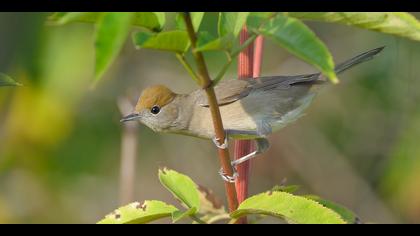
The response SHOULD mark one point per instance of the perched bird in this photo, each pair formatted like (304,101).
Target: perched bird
(250,108)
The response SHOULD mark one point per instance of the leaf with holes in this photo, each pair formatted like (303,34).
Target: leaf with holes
(298,39)
(111,33)
(196,18)
(150,20)
(175,41)
(136,213)
(182,187)
(292,208)
(396,23)
(6,80)
(345,213)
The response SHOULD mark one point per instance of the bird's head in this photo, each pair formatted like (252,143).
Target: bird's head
(155,108)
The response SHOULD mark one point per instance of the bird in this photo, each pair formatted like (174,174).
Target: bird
(251,108)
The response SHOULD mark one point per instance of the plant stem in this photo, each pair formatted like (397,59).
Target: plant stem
(232,56)
(207,85)
(197,219)
(188,67)
(243,147)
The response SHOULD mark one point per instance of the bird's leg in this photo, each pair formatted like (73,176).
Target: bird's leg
(262,146)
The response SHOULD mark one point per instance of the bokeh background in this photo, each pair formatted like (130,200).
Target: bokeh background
(61,140)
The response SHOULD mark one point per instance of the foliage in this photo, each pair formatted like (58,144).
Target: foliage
(285,29)
(203,207)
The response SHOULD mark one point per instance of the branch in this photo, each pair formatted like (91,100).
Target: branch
(207,85)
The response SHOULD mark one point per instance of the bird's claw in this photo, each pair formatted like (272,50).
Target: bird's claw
(224,145)
(228,178)
(262,146)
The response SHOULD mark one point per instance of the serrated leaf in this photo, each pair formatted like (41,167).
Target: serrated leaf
(345,213)
(290,207)
(150,20)
(196,18)
(136,213)
(6,80)
(299,40)
(175,41)
(182,187)
(111,33)
(207,42)
(396,23)
(231,22)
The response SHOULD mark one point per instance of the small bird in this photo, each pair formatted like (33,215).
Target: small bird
(250,108)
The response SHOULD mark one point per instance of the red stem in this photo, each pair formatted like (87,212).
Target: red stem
(258,52)
(249,65)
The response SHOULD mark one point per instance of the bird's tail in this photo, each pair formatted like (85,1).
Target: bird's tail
(366,56)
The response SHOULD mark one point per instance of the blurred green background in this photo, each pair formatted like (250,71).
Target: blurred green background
(60,140)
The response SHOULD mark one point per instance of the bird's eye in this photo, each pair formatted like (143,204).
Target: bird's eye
(155,110)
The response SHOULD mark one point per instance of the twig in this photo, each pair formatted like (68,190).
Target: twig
(206,84)
(188,67)
(197,219)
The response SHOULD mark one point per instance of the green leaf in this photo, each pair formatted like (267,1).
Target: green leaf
(299,40)
(196,18)
(111,33)
(182,187)
(179,215)
(287,189)
(6,80)
(295,209)
(176,41)
(396,23)
(345,213)
(61,18)
(207,42)
(150,20)
(231,22)
(136,213)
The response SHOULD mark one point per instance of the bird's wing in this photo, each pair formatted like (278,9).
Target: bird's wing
(229,91)
(226,91)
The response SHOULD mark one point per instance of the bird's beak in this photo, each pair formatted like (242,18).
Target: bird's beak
(132,116)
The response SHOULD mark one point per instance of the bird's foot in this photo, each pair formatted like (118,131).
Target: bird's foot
(228,178)
(224,145)
(262,146)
